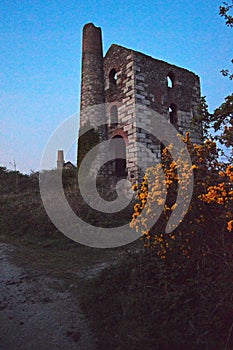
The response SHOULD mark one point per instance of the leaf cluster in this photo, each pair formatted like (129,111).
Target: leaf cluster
(225,12)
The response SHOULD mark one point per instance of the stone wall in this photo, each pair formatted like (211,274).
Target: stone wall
(122,95)
(133,85)
(152,90)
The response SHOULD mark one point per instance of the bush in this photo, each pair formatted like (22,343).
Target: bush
(149,303)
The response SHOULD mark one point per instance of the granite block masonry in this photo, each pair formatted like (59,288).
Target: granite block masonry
(127,85)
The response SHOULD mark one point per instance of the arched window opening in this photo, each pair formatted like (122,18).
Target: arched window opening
(170,80)
(113,76)
(120,156)
(173,114)
(114,116)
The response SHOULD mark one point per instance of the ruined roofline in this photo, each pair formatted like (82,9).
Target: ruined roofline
(148,57)
(90,24)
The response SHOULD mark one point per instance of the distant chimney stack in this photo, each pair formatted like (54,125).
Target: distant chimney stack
(60,159)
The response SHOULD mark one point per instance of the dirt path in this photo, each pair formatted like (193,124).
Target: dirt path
(38,312)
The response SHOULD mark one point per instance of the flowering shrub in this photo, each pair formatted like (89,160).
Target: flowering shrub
(222,193)
(211,202)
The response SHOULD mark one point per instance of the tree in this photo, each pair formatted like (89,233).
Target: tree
(224,11)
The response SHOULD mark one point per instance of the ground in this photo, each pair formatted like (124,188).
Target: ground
(39,297)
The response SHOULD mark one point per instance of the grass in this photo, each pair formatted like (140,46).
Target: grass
(144,304)
(24,223)
(139,301)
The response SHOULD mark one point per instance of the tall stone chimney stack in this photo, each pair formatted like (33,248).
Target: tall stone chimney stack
(92,89)
(60,159)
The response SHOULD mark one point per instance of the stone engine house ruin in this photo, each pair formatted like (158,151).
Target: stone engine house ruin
(122,80)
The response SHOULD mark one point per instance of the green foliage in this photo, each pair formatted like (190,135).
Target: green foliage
(202,119)
(23,217)
(222,121)
(225,12)
(149,303)
(15,182)
(217,126)
(69,178)
(223,114)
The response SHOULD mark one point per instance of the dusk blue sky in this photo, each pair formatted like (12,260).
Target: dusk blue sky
(40,59)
